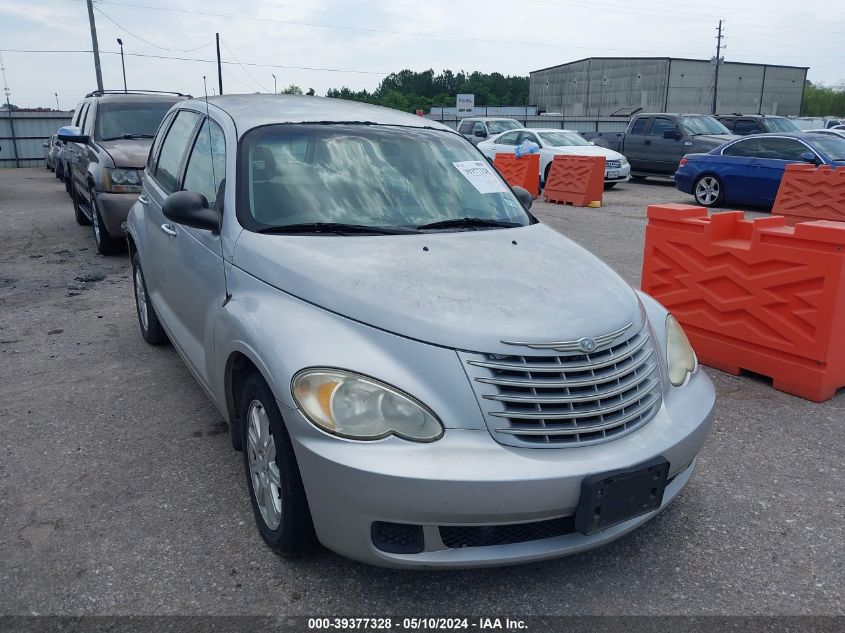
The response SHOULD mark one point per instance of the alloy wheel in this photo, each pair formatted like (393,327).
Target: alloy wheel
(708,190)
(141,298)
(263,470)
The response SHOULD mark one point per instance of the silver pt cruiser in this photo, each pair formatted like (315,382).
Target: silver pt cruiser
(419,373)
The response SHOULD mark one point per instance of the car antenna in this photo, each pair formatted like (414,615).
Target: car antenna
(217,203)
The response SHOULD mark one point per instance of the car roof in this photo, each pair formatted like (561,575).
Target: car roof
(489,118)
(801,136)
(249,111)
(754,116)
(136,97)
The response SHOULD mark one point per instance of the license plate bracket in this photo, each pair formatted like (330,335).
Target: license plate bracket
(613,497)
(612,174)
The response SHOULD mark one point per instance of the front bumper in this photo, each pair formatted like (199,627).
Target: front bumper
(623,174)
(468,479)
(114,207)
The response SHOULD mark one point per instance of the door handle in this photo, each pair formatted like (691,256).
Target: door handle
(169,229)
(143,199)
(647,142)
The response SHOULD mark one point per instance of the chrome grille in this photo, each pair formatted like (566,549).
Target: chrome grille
(569,397)
(613,164)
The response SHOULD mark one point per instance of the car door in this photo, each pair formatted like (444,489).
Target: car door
(75,150)
(634,144)
(732,168)
(505,144)
(662,155)
(766,170)
(546,154)
(197,284)
(162,178)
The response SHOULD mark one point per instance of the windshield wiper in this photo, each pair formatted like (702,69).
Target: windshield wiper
(336,228)
(468,223)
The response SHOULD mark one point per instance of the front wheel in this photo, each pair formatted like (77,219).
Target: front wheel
(609,185)
(107,244)
(709,191)
(275,485)
(148,321)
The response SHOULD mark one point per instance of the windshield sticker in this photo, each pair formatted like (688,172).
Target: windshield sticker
(481,176)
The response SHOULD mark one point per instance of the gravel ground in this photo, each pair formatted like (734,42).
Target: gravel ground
(120,493)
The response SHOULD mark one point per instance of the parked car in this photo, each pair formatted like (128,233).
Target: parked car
(48,146)
(806,123)
(654,143)
(837,132)
(418,371)
(749,171)
(476,129)
(53,160)
(553,143)
(108,142)
(745,124)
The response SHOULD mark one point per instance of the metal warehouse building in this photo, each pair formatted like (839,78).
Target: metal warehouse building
(599,86)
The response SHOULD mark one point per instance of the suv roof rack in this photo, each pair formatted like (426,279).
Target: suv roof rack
(100,93)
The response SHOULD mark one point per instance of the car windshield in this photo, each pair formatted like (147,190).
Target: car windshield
(830,146)
(505,125)
(127,120)
(780,125)
(368,176)
(562,138)
(695,125)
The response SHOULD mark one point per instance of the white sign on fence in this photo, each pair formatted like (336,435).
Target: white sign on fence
(465,103)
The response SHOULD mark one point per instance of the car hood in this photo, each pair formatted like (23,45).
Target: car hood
(714,140)
(466,290)
(128,152)
(586,150)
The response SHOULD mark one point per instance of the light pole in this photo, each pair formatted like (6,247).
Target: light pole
(57,100)
(122,64)
(275,92)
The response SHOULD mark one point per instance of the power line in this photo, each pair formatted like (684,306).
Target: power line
(146,41)
(226,46)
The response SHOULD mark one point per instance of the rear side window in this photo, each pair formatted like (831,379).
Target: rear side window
(747,148)
(640,126)
(479,127)
(746,126)
(510,138)
(162,131)
(174,148)
(466,127)
(207,164)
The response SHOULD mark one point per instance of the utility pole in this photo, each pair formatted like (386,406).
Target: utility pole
(219,65)
(718,61)
(94,45)
(8,93)
(56,94)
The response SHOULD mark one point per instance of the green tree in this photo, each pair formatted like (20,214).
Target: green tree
(292,90)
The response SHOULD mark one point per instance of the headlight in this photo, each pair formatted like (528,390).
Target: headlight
(623,161)
(121,180)
(680,357)
(361,408)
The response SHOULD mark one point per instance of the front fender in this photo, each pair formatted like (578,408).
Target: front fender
(282,334)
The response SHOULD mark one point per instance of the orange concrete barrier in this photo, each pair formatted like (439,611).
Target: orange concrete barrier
(520,172)
(808,192)
(577,180)
(754,295)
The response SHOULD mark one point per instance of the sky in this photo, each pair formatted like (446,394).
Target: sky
(324,44)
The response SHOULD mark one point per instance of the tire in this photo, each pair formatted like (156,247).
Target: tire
(709,191)
(68,181)
(609,185)
(148,321)
(81,218)
(107,244)
(282,517)
(638,178)
(546,174)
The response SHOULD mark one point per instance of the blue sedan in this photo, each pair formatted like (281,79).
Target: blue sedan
(749,170)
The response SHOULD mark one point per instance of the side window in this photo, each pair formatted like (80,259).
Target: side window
(748,148)
(746,126)
(174,148)
(83,116)
(88,123)
(78,114)
(527,136)
(728,123)
(640,126)
(162,131)
(207,163)
(478,125)
(781,149)
(466,127)
(510,138)
(660,125)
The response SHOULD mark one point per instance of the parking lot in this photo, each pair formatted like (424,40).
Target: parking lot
(120,492)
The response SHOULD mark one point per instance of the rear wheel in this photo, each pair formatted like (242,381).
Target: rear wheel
(106,243)
(709,191)
(68,180)
(275,485)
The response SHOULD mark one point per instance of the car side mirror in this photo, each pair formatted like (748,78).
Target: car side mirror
(43,144)
(810,157)
(480,133)
(672,135)
(524,196)
(191,209)
(71,134)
